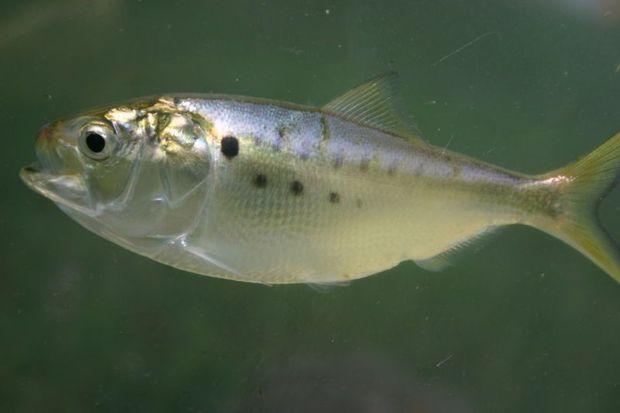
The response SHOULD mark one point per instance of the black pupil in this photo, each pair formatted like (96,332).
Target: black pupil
(95,142)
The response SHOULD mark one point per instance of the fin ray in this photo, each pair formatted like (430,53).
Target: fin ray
(376,103)
(445,259)
(326,287)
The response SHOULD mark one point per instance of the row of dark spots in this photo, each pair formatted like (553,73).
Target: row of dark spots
(297,189)
(260,181)
(230,149)
(364,165)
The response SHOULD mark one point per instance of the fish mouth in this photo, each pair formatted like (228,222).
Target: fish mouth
(65,190)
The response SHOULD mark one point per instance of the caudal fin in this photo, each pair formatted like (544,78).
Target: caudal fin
(583,185)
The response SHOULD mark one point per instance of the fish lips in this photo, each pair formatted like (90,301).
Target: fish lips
(65,190)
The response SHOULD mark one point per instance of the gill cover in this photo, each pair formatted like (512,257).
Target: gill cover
(185,162)
(168,186)
(153,185)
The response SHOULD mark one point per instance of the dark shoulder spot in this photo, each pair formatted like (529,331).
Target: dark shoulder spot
(334,197)
(260,181)
(230,147)
(297,187)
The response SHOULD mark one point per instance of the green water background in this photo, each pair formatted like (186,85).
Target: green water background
(525,324)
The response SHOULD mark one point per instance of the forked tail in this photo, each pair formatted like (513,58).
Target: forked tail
(582,186)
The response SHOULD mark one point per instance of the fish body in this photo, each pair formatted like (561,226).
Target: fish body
(313,197)
(271,192)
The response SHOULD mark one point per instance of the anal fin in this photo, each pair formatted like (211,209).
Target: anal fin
(436,263)
(445,259)
(326,287)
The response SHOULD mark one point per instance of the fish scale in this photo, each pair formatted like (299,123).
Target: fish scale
(271,235)
(271,192)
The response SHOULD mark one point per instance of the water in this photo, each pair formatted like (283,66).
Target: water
(524,324)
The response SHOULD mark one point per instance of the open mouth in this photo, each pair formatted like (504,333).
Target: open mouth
(66,190)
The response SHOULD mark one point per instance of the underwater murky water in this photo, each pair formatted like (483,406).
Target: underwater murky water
(523,324)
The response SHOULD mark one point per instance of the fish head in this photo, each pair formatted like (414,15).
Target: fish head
(135,174)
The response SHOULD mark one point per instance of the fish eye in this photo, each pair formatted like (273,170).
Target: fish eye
(97,141)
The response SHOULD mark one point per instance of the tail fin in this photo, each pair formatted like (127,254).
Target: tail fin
(587,182)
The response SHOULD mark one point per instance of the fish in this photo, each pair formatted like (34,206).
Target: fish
(272,192)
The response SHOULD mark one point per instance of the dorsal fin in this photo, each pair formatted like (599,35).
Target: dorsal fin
(376,103)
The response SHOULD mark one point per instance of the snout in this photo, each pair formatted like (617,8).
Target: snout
(57,174)
(50,149)
(46,136)
(45,132)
